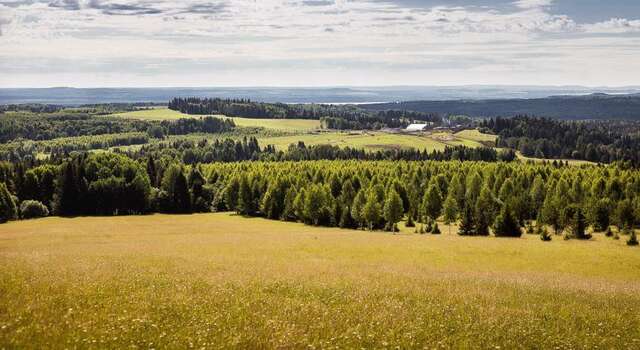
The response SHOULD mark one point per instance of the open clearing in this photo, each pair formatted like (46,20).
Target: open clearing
(372,140)
(276,124)
(221,281)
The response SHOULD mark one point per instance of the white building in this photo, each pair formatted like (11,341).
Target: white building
(417,127)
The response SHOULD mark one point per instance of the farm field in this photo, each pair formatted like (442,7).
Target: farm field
(372,140)
(152,114)
(277,124)
(221,281)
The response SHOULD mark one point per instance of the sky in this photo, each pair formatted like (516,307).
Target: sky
(125,43)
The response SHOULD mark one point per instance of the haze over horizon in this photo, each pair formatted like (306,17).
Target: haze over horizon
(318,43)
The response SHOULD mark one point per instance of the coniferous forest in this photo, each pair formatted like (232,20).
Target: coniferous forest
(51,167)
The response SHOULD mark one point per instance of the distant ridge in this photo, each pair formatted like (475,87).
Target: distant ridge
(592,106)
(373,94)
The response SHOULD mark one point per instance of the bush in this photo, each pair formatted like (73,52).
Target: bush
(410,222)
(633,239)
(608,233)
(8,210)
(33,209)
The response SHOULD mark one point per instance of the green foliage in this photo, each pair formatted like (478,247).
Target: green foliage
(31,209)
(467,223)
(174,184)
(431,203)
(393,209)
(633,239)
(8,210)
(435,230)
(506,224)
(371,212)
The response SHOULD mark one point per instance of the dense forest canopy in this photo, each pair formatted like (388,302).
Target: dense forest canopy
(333,116)
(596,106)
(596,141)
(483,197)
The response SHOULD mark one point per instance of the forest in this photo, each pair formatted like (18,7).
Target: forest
(595,141)
(500,198)
(342,117)
(587,107)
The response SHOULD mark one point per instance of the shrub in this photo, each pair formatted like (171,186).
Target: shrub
(33,209)
(410,222)
(436,229)
(8,210)
(633,239)
(608,233)
(544,235)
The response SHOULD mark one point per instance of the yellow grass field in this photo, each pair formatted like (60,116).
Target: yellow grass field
(277,124)
(222,281)
(476,135)
(373,140)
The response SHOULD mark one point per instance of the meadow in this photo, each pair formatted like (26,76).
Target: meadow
(373,140)
(223,281)
(299,125)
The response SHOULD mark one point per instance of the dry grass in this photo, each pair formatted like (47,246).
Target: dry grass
(221,281)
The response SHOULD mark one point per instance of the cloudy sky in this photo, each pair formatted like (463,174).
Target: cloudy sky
(318,42)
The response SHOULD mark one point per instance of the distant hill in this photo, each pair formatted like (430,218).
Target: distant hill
(594,106)
(362,94)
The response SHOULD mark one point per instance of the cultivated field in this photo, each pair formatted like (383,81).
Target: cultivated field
(373,140)
(221,281)
(277,124)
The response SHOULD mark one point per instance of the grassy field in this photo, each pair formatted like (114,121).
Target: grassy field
(576,162)
(373,140)
(476,135)
(221,281)
(152,114)
(277,124)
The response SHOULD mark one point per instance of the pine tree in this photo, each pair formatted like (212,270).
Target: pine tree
(8,209)
(357,208)
(67,194)
(371,211)
(393,209)
(436,229)
(484,211)
(450,209)
(506,224)
(432,203)
(467,224)
(245,196)
(174,183)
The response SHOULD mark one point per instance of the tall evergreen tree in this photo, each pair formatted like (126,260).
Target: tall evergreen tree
(393,209)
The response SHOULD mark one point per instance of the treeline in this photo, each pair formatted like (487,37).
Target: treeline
(230,150)
(332,116)
(484,198)
(596,141)
(596,106)
(59,125)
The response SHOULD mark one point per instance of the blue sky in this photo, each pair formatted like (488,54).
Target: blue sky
(318,42)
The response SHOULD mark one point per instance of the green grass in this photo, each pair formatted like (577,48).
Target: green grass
(277,124)
(366,140)
(576,162)
(221,281)
(476,135)
(152,114)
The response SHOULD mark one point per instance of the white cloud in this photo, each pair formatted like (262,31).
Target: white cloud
(528,4)
(300,42)
(614,26)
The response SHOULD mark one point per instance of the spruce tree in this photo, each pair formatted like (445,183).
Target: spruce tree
(393,209)
(432,203)
(506,224)
(8,209)
(357,208)
(467,224)
(371,211)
